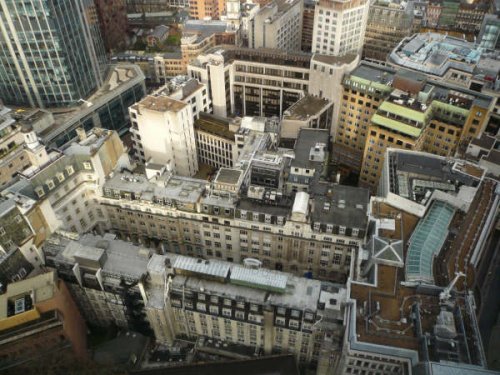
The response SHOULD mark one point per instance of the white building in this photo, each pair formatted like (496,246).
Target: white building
(277,25)
(339,26)
(163,133)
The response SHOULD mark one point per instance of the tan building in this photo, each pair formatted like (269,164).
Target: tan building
(387,24)
(383,108)
(40,326)
(215,141)
(202,9)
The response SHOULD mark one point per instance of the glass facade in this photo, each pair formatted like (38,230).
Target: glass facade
(51,52)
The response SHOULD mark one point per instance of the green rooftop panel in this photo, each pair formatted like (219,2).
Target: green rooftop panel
(405,112)
(396,125)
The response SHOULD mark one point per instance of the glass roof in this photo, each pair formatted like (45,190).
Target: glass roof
(427,240)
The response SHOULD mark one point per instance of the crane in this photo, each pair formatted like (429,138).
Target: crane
(445,294)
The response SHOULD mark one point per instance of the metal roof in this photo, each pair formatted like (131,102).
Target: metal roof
(200,266)
(426,242)
(258,278)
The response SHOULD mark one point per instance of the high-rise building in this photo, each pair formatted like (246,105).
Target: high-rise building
(51,53)
(339,26)
(164,133)
(277,25)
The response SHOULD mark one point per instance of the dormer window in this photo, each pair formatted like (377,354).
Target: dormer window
(39,192)
(50,184)
(70,170)
(60,177)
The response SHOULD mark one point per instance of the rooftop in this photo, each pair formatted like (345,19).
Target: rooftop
(228,176)
(160,104)
(307,139)
(307,106)
(435,54)
(426,242)
(214,125)
(342,205)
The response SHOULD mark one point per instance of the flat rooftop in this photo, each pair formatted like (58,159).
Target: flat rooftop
(160,104)
(214,125)
(307,106)
(343,206)
(228,176)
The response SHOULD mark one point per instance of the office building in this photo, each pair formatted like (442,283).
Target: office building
(162,125)
(388,23)
(206,9)
(58,70)
(172,296)
(277,25)
(308,112)
(263,82)
(339,27)
(454,60)
(489,35)
(215,141)
(372,96)
(41,328)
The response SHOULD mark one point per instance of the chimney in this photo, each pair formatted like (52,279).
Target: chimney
(82,135)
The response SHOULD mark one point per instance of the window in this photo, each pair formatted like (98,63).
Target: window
(50,184)
(39,191)
(87,165)
(70,170)
(60,176)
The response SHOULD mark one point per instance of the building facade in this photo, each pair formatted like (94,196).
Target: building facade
(58,70)
(203,9)
(164,133)
(339,27)
(277,25)
(387,24)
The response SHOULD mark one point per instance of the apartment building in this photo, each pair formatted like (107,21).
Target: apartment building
(277,25)
(215,141)
(206,9)
(163,133)
(308,25)
(339,27)
(40,326)
(388,23)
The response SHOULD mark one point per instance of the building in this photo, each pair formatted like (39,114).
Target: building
(489,35)
(307,25)
(368,121)
(429,213)
(102,275)
(113,22)
(448,58)
(40,326)
(60,191)
(206,9)
(72,62)
(263,82)
(307,112)
(157,36)
(153,6)
(339,27)
(486,152)
(215,141)
(277,25)
(388,23)
(164,133)
(198,36)
(264,311)
(106,108)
